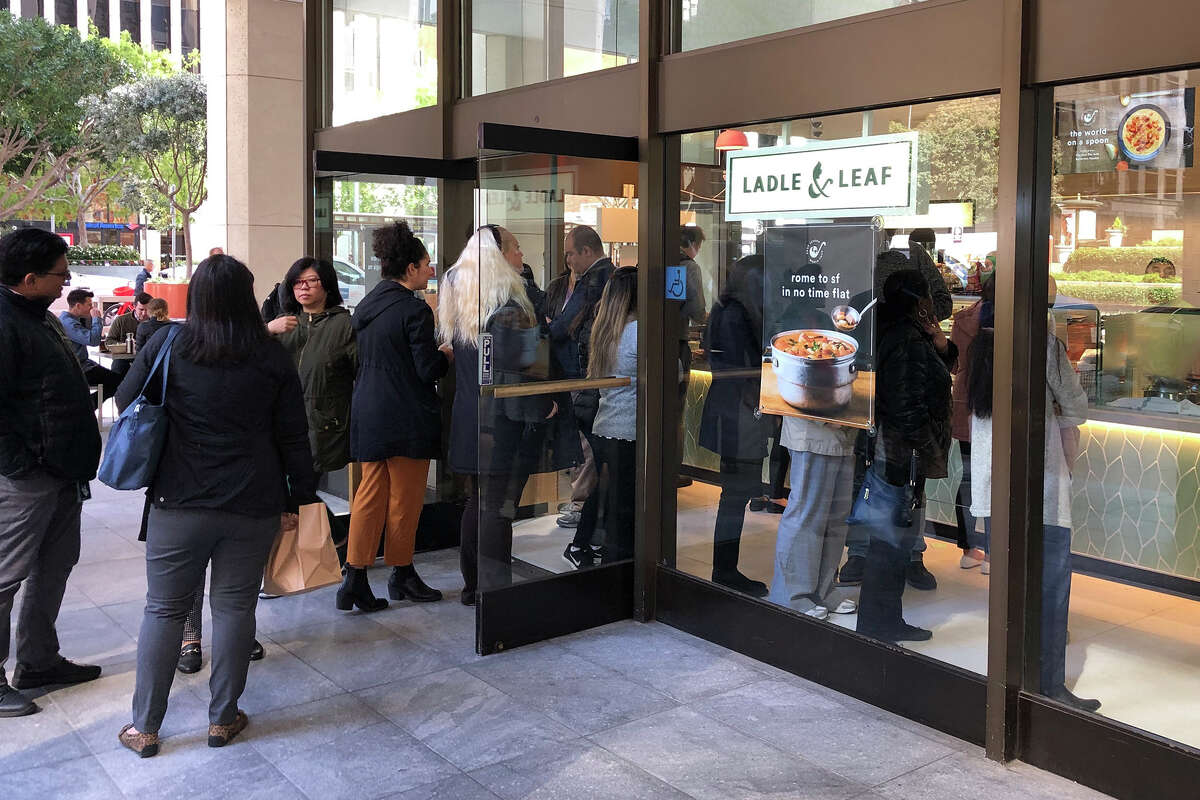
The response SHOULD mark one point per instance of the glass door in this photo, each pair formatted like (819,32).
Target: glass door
(551,271)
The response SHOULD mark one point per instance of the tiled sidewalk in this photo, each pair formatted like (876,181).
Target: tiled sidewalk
(396,704)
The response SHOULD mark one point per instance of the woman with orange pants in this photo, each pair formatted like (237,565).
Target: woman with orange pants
(395,421)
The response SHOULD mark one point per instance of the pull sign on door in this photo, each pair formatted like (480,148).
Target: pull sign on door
(485,359)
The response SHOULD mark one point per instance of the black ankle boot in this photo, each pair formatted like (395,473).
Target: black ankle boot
(356,591)
(405,582)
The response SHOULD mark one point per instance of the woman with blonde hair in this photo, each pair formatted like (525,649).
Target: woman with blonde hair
(158,317)
(497,442)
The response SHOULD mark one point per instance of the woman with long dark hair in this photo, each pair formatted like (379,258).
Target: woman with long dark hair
(236,457)
(395,422)
(912,405)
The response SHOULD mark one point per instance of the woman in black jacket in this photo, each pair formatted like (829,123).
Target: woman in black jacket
(500,442)
(728,424)
(912,409)
(395,421)
(236,457)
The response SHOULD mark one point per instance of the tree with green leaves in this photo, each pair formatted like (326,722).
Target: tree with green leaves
(45,129)
(163,121)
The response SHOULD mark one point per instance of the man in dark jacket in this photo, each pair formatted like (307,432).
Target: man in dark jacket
(83,325)
(571,302)
(49,450)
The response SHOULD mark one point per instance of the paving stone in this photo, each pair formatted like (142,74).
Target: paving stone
(77,779)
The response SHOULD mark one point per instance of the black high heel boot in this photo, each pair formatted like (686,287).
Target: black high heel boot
(356,591)
(405,582)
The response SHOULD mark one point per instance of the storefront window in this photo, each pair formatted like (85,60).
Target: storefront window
(189,19)
(160,24)
(708,22)
(64,12)
(384,57)
(1122,486)
(519,42)
(792,356)
(131,19)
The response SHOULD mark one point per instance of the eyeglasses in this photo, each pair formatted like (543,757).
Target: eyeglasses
(304,283)
(65,275)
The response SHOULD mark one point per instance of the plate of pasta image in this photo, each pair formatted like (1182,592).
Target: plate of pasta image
(1144,132)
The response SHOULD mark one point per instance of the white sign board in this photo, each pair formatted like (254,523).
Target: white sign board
(846,178)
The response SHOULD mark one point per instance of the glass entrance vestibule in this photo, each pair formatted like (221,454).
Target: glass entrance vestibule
(996,281)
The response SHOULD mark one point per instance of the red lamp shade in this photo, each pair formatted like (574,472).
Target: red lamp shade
(732,139)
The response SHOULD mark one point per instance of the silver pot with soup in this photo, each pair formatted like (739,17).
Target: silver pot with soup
(814,369)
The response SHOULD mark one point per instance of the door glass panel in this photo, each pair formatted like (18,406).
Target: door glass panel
(554,461)
(769,473)
(1120,576)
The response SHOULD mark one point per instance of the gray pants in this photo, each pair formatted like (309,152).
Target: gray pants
(39,545)
(812,530)
(179,546)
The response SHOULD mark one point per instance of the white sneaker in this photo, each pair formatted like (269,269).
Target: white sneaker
(966,562)
(818,612)
(846,607)
(985,568)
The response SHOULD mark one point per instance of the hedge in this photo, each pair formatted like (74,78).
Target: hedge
(1130,260)
(103,253)
(1131,294)
(1107,276)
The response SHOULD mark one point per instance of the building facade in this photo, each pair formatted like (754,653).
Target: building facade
(1046,146)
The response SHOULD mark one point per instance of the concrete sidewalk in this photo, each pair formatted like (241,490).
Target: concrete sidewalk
(397,704)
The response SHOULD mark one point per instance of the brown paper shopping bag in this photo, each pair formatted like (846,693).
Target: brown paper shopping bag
(303,557)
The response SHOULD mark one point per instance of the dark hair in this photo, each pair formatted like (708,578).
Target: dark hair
(396,247)
(980,360)
(586,236)
(690,235)
(902,291)
(223,323)
(922,236)
(495,230)
(76,296)
(28,250)
(142,298)
(333,295)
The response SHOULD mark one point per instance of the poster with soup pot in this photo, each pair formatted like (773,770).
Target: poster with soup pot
(1143,130)
(818,322)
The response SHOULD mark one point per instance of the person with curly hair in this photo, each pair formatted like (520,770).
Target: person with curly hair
(395,421)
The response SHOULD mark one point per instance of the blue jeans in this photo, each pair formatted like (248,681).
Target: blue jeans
(1056,598)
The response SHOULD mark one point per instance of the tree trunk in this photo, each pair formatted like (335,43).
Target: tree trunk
(187,240)
(81,235)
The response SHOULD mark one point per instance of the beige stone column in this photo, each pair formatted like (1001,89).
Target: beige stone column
(265,156)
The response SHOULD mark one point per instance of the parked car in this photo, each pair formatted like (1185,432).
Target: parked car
(352,282)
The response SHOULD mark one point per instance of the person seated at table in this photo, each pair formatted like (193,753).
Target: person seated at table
(82,323)
(126,324)
(157,311)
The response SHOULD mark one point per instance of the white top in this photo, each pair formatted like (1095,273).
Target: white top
(1062,386)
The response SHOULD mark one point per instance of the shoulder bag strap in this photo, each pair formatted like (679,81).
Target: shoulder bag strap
(163,358)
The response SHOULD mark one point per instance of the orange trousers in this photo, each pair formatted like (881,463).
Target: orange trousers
(390,497)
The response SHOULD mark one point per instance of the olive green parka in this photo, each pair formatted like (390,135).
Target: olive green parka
(324,350)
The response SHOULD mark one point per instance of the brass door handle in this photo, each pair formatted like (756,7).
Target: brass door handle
(553,387)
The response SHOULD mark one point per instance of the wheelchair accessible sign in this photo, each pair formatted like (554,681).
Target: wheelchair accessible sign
(677,283)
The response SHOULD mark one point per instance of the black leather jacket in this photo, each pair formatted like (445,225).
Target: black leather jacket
(46,417)
(912,398)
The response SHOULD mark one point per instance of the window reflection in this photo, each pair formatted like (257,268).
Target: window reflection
(518,42)
(770,491)
(384,58)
